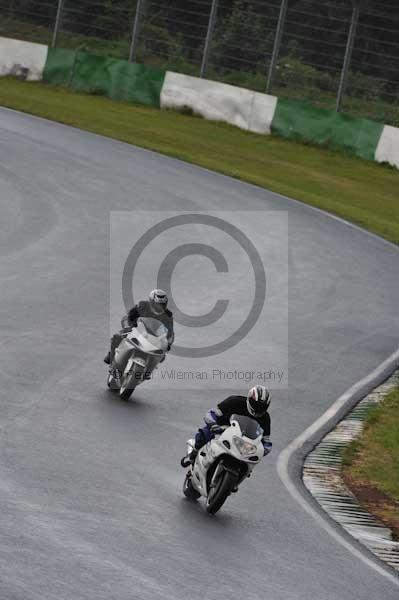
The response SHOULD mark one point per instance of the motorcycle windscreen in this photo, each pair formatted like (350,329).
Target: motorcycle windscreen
(249,427)
(153,326)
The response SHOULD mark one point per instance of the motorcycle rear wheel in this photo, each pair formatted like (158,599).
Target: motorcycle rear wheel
(219,495)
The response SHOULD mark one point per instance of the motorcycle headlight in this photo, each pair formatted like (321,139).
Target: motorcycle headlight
(243,447)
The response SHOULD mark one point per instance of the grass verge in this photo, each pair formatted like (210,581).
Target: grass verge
(363,192)
(371,463)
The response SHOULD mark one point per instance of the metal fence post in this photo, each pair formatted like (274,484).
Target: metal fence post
(136,31)
(209,34)
(348,53)
(277,44)
(57,24)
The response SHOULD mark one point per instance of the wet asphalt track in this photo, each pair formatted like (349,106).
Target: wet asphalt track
(90,501)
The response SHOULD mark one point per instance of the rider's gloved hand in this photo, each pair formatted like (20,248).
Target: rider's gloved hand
(216,429)
(211,417)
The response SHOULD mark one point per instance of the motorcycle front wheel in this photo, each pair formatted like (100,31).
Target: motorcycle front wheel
(111,383)
(218,495)
(130,381)
(188,489)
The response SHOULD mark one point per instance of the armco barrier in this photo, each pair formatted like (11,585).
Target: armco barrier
(298,121)
(23,59)
(263,110)
(252,111)
(59,66)
(219,102)
(388,146)
(117,79)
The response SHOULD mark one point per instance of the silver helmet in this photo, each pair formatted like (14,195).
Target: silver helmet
(158,301)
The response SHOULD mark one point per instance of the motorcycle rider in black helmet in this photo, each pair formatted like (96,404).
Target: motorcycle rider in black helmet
(255,405)
(155,307)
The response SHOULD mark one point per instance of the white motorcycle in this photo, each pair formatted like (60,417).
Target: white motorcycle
(224,462)
(138,354)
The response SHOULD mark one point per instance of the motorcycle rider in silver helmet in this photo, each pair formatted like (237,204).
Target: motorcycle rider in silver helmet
(155,307)
(255,405)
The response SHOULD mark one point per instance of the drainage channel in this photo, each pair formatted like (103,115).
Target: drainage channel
(322,477)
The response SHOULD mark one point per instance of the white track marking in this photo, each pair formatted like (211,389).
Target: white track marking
(368,383)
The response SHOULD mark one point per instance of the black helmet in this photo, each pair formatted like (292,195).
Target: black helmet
(158,301)
(258,400)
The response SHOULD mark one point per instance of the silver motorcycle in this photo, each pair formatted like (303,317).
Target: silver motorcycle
(138,354)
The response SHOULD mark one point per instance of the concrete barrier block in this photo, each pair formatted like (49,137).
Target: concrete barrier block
(210,99)
(22,59)
(263,109)
(388,146)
